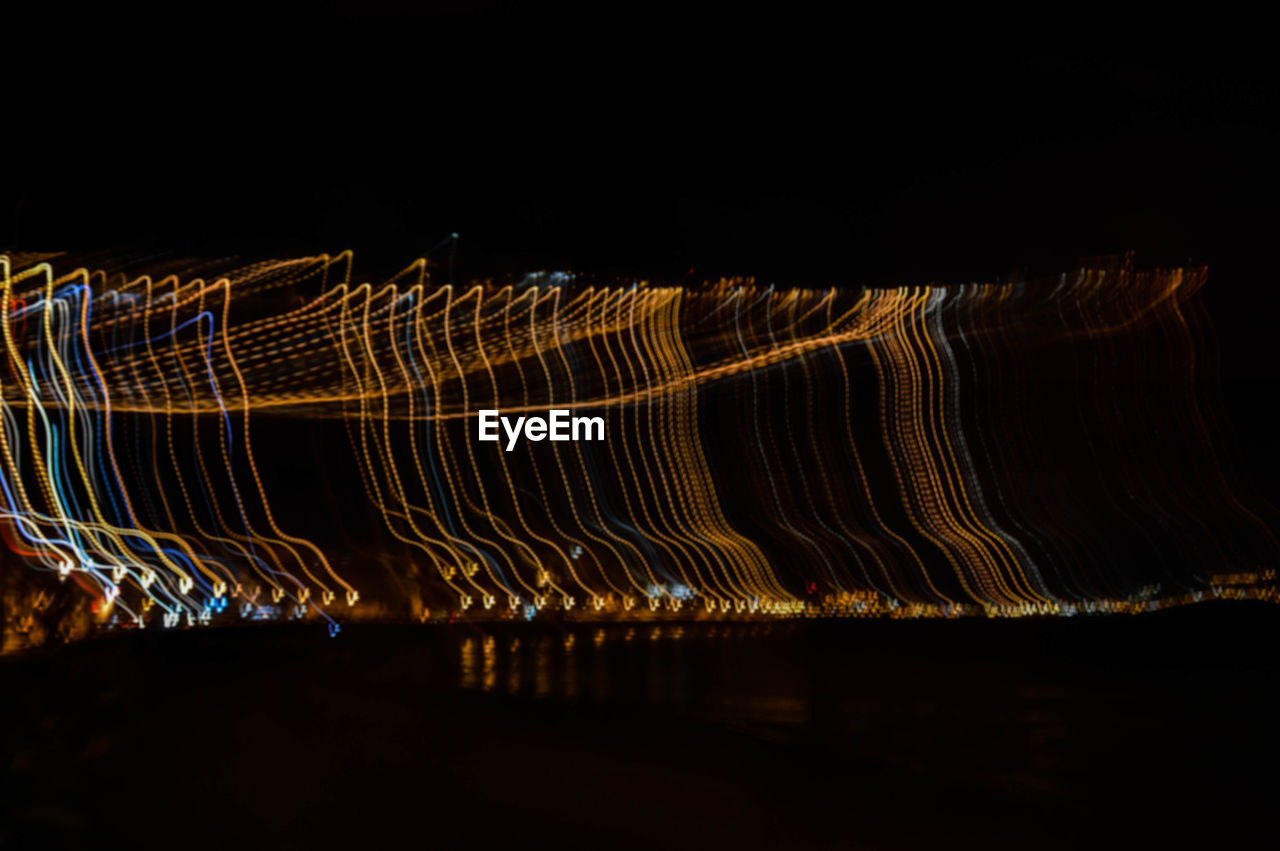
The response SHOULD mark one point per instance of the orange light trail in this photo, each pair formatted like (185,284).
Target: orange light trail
(194,442)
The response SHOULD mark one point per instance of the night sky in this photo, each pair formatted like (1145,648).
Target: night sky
(652,139)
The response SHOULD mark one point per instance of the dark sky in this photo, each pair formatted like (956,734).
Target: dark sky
(653,138)
(788,145)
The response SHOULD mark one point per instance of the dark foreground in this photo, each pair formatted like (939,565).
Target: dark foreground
(1156,730)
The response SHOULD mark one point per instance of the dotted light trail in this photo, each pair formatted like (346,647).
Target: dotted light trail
(200,442)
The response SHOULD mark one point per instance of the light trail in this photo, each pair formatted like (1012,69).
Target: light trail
(1002,450)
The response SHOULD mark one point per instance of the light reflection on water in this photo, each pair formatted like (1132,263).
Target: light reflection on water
(612,662)
(966,734)
(766,682)
(1028,713)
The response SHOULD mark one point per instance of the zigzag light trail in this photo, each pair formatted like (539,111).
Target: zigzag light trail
(1047,448)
